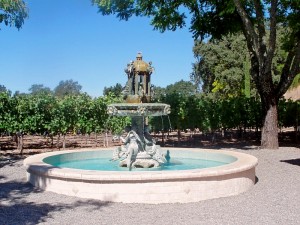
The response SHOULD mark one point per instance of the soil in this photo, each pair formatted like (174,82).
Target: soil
(33,144)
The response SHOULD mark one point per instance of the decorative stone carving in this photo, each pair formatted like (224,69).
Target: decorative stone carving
(135,154)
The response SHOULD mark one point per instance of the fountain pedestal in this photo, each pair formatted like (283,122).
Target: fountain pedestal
(139,149)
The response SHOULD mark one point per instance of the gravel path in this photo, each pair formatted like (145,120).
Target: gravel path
(273,200)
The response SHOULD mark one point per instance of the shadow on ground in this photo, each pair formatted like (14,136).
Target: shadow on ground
(9,160)
(17,208)
(244,145)
(295,162)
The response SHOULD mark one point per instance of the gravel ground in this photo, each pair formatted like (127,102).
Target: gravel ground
(273,200)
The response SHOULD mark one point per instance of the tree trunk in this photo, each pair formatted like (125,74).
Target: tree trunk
(269,134)
(64,141)
(51,137)
(105,140)
(20,144)
(261,58)
(58,144)
(96,139)
(297,122)
(179,136)
(262,75)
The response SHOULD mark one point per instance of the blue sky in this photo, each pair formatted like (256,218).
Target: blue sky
(68,39)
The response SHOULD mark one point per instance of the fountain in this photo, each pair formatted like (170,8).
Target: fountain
(145,173)
(139,149)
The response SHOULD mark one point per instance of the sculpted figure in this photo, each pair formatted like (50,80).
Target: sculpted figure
(132,143)
(141,90)
(150,69)
(152,149)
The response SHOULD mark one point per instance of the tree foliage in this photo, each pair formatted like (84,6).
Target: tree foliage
(296,82)
(221,65)
(37,89)
(67,87)
(45,113)
(116,90)
(185,88)
(210,114)
(2,88)
(13,13)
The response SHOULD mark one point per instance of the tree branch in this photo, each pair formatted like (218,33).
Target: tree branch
(260,20)
(249,30)
(273,34)
(290,70)
(252,42)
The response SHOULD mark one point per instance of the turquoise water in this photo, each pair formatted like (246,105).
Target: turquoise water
(101,162)
(106,165)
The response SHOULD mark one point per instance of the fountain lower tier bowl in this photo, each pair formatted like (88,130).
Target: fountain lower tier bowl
(138,109)
(237,175)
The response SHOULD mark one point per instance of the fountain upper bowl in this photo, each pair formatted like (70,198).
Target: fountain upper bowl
(138,109)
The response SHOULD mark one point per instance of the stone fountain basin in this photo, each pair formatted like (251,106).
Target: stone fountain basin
(138,109)
(178,186)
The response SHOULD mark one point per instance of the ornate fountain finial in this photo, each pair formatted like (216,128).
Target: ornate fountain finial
(139,56)
(138,86)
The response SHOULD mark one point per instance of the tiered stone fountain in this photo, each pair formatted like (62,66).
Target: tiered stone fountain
(139,149)
(91,174)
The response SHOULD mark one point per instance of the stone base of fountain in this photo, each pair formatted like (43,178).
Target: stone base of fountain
(146,186)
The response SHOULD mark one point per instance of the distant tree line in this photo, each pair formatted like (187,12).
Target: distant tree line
(64,88)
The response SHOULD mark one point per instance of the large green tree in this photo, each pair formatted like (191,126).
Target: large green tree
(211,18)
(3,88)
(37,89)
(185,88)
(67,88)
(182,87)
(116,90)
(222,66)
(13,12)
